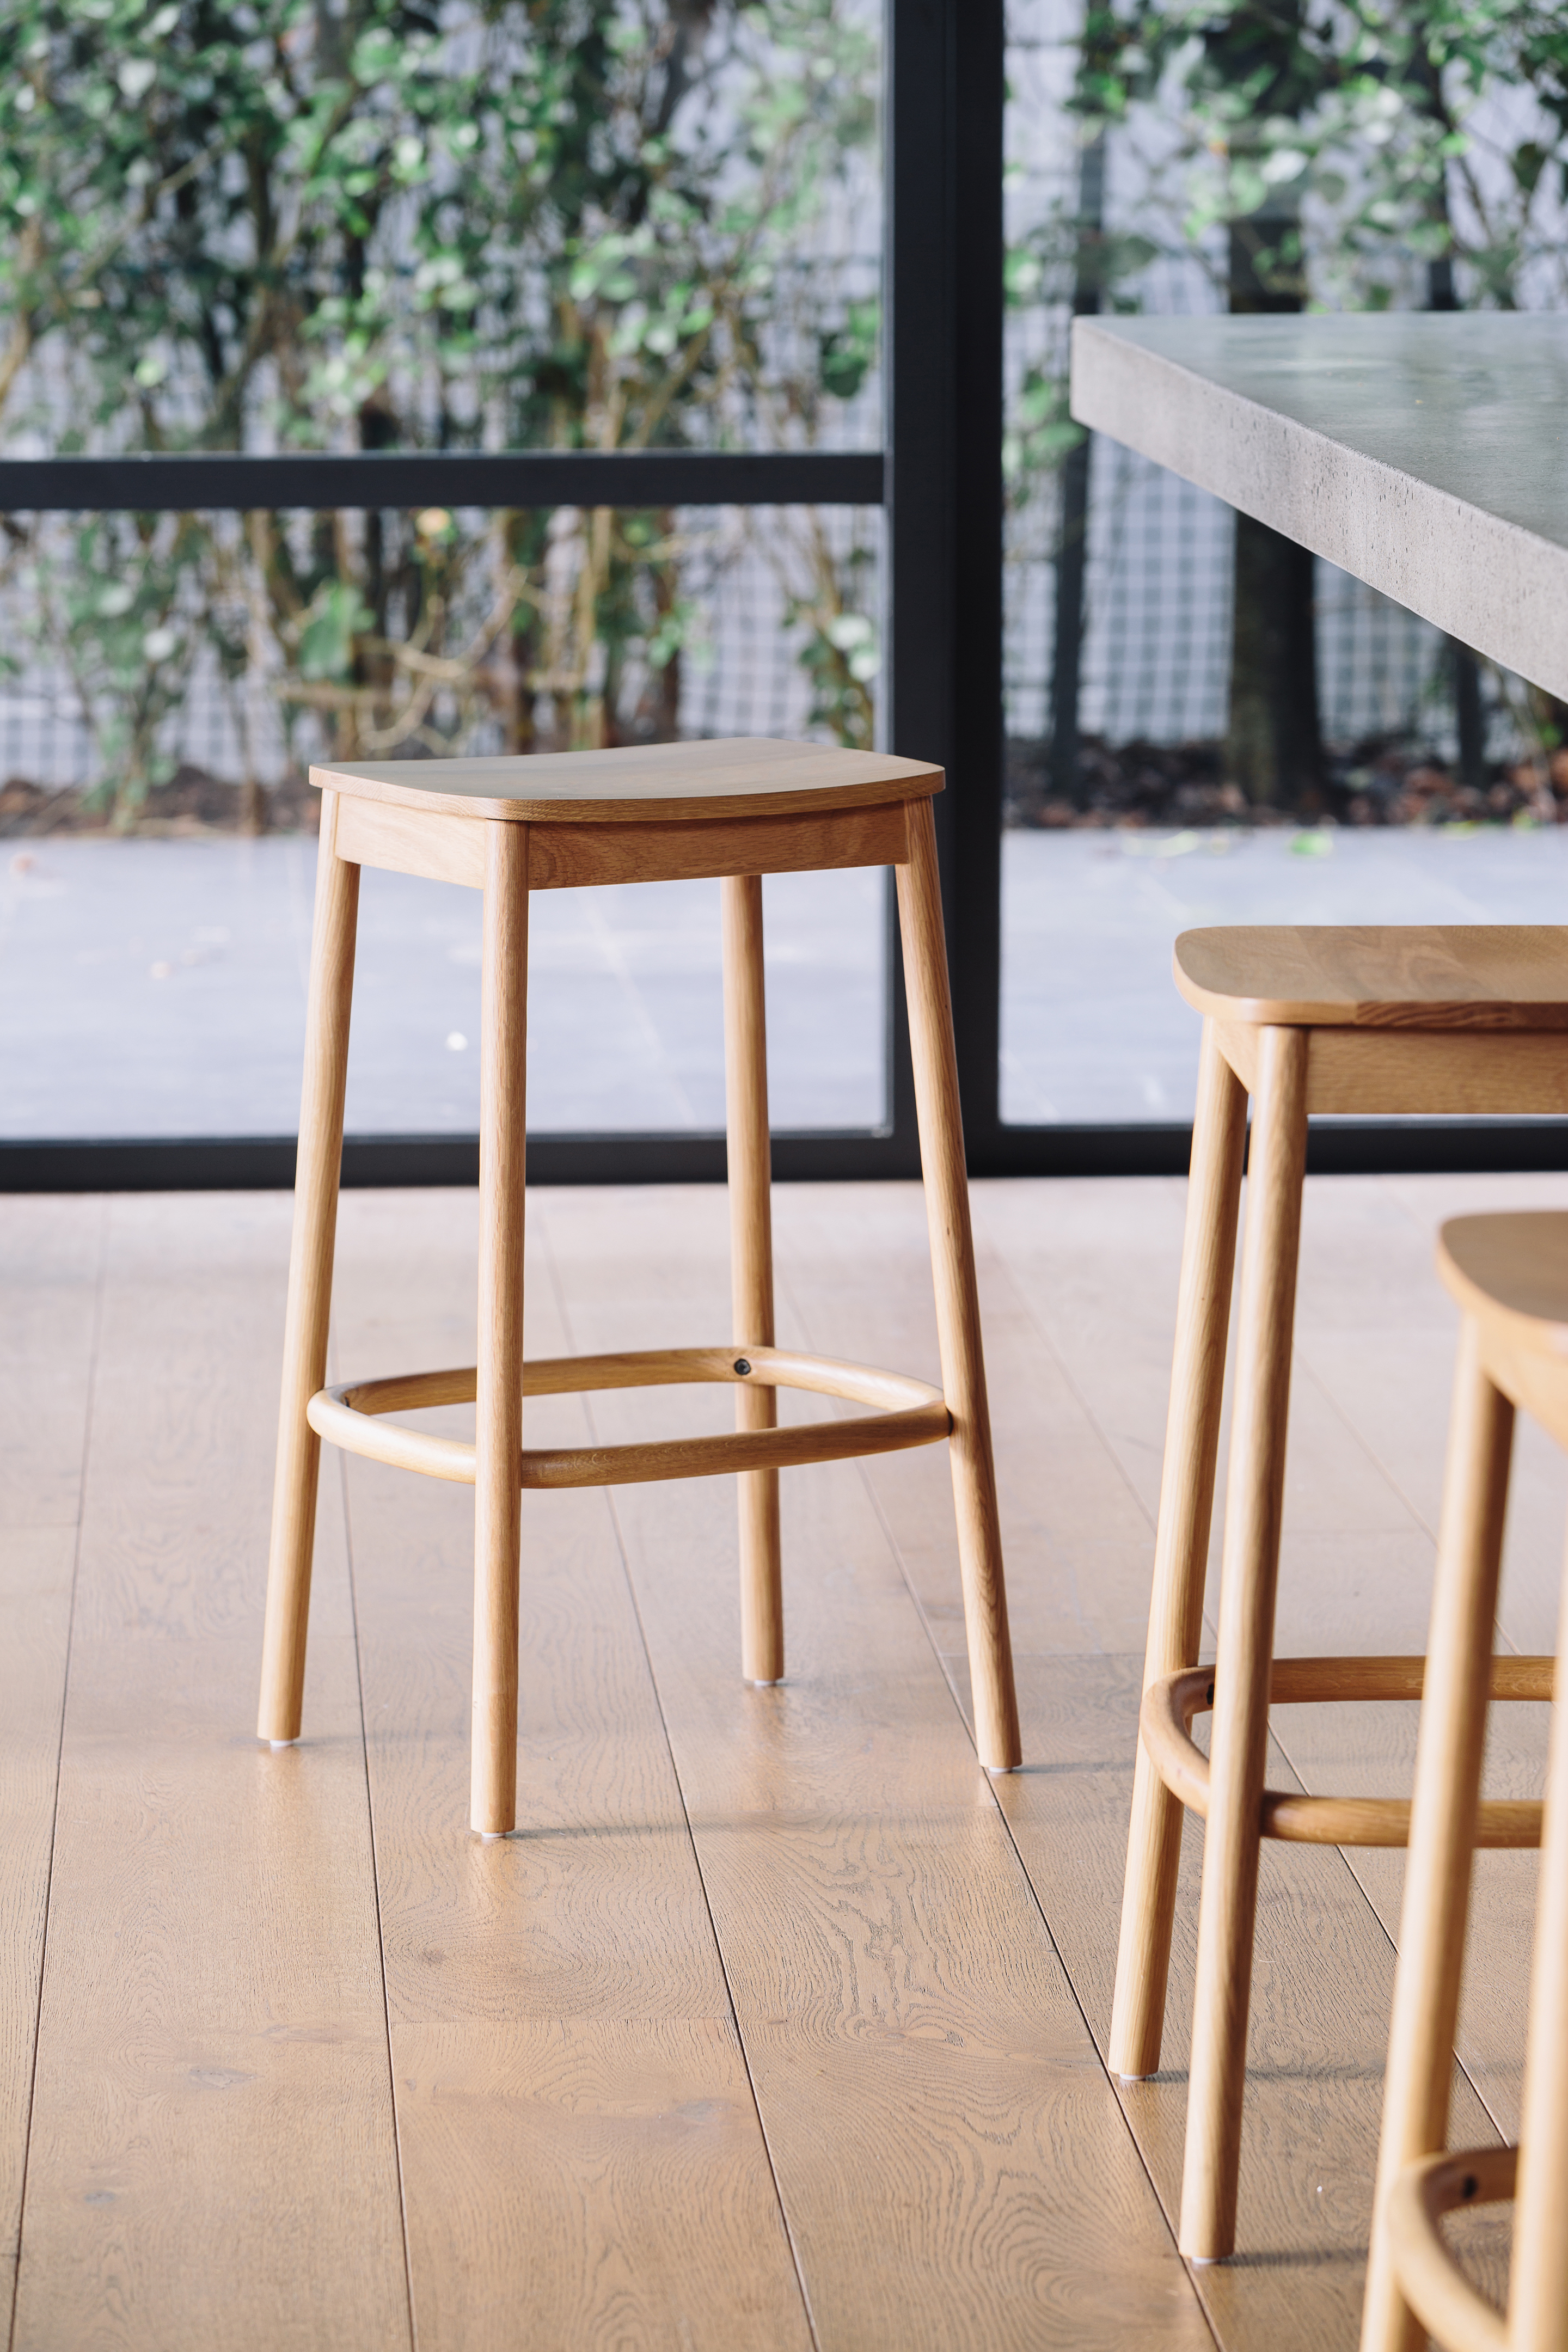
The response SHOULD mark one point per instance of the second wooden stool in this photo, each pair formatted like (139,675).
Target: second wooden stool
(1470,1020)
(1509,1276)
(510,826)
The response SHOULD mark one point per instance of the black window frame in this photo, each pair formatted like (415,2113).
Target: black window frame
(938,478)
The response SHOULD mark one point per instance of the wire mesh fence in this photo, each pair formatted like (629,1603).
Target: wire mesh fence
(734,622)
(762,621)
(1156,644)
(1154,649)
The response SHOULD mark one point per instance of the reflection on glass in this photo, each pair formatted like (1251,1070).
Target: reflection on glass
(157,988)
(604,226)
(1092,1027)
(1204,726)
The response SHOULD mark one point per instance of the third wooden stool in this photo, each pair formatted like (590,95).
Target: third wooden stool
(1509,1276)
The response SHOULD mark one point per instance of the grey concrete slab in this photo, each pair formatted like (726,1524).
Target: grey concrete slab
(156,988)
(1426,454)
(1092,1026)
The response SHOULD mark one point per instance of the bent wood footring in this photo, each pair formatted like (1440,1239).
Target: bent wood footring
(909,1413)
(1170,1706)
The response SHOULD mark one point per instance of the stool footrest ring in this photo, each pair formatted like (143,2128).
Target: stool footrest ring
(909,1413)
(1430,2280)
(1170,1704)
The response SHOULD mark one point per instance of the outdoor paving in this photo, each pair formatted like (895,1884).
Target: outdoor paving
(156,988)
(1092,1026)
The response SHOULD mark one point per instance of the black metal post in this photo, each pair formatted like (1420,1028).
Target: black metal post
(1072,535)
(944,478)
(211,480)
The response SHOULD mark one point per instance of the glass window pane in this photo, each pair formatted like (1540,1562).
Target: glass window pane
(1430,787)
(636,228)
(156,979)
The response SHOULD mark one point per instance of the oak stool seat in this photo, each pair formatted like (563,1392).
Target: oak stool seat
(507,826)
(1509,1278)
(1417,1019)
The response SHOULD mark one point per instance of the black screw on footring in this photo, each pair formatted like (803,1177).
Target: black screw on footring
(741,1365)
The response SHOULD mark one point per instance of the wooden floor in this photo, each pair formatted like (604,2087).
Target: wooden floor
(775,2024)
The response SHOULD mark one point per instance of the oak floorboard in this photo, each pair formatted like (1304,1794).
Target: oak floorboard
(1375,1334)
(581,2154)
(50,1260)
(951,2156)
(1378,1333)
(1356,1563)
(579,2135)
(1058,1295)
(212,2161)
(35,1608)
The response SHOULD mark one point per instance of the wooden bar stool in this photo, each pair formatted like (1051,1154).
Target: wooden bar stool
(507,826)
(1302,1019)
(1509,1275)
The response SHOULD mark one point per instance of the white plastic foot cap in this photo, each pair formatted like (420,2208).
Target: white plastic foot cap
(777,1683)
(277,1744)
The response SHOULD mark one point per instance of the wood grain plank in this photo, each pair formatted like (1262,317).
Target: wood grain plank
(1355,1580)
(411,841)
(35,1608)
(449,848)
(1378,1333)
(578,2127)
(737,776)
(1427,976)
(50,1259)
(1393,1073)
(51,1250)
(950,2154)
(580,2142)
(212,2160)
(855,1257)
(1081,1274)
(575,857)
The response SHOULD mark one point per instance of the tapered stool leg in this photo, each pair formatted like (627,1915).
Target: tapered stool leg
(498,1490)
(316,1175)
(957,1299)
(751,1265)
(1181,1548)
(1443,1818)
(1538,2286)
(1254,1496)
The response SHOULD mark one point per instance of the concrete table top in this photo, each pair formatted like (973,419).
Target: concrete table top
(1427,454)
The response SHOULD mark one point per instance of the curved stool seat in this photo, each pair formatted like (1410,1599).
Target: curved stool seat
(1509,1278)
(911,1414)
(507,826)
(1424,1018)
